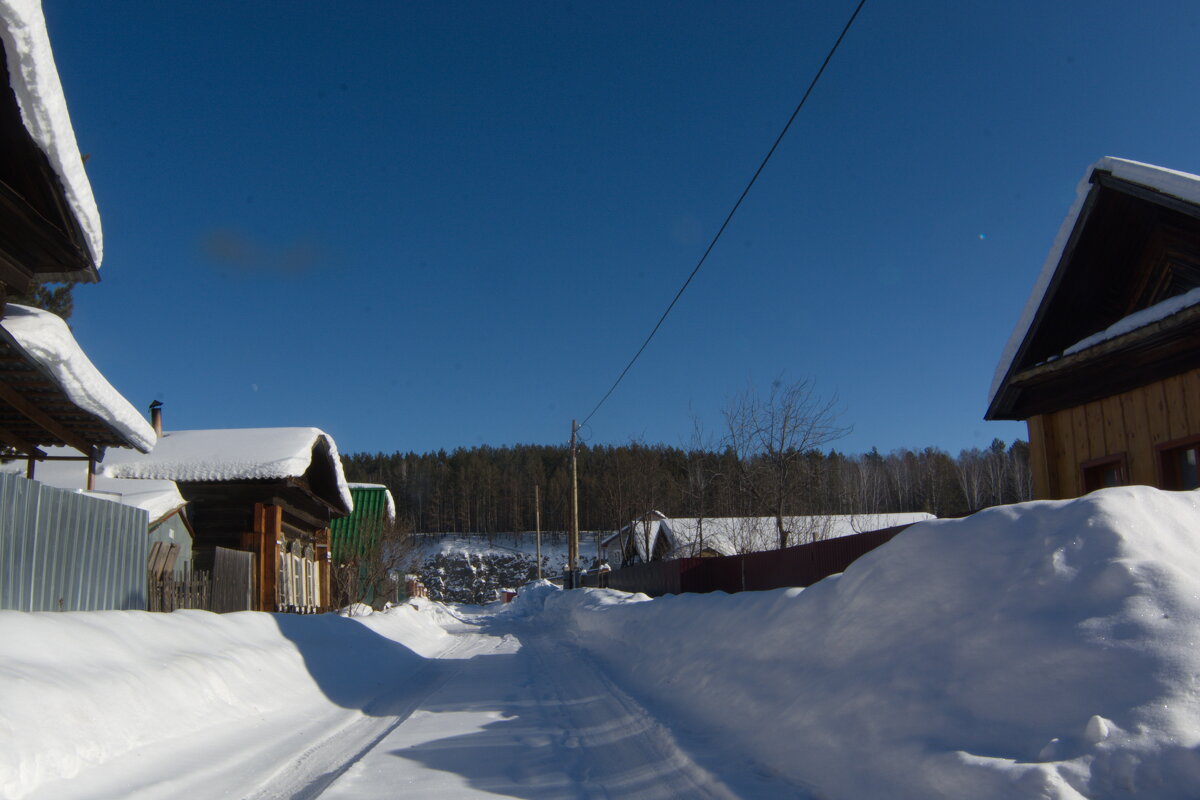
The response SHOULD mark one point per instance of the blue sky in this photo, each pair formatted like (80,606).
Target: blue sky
(426,225)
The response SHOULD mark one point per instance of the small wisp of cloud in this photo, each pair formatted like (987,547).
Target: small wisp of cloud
(232,248)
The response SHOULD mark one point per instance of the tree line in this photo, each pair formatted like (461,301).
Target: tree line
(491,489)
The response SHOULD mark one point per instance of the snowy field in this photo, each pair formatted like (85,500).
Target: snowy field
(1047,650)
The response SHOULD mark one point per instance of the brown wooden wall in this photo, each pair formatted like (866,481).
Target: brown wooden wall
(1132,424)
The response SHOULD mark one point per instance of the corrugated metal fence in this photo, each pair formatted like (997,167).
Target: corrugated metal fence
(802,565)
(233,580)
(65,551)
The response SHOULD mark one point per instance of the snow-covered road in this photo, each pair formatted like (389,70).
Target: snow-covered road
(523,714)
(491,706)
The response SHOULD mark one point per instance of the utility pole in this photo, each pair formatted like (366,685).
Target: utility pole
(573,543)
(537,522)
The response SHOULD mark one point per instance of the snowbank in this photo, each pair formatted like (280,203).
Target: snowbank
(78,689)
(1043,650)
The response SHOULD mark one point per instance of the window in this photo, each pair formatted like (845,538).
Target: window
(1104,472)
(1178,464)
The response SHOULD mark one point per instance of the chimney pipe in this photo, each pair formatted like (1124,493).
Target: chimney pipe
(156,418)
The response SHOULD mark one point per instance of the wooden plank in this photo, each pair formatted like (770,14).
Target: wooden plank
(1176,407)
(13,439)
(1142,467)
(171,557)
(1041,433)
(1191,394)
(1065,464)
(1156,414)
(42,419)
(1114,425)
(1094,414)
(154,560)
(1082,448)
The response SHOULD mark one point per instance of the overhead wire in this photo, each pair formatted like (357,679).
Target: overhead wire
(812,85)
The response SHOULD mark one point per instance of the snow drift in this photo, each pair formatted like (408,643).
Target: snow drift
(1045,650)
(1040,650)
(79,689)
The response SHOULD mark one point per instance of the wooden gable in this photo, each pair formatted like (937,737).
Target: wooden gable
(1132,247)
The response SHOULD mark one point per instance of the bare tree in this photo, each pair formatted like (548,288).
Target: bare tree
(702,472)
(1020,473)
(969,469)
(771,434)
(368,568)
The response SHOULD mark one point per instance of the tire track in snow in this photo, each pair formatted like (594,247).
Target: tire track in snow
(531,716)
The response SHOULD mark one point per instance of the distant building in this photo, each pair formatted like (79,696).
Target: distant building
(1104,364)
(656,537)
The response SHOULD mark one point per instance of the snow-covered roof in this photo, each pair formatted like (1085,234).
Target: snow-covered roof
(686,536)
(1169,182)
(391,501)
(157,498)
(46,340)
(39,93)
(232,454)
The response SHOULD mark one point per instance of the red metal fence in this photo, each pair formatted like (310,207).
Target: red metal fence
(802,565)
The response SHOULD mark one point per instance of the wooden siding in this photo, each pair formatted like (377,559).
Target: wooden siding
(1131,424)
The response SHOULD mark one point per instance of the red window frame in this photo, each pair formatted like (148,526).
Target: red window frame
(1169,474)
(1092,472)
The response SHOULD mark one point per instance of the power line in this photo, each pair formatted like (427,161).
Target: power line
(732,211)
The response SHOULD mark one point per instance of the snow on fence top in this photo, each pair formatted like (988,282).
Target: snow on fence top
(39,93)
(1181,185)
(232,454)
(47,341)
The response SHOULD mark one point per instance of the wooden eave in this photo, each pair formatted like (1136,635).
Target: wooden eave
(36,412)
(1123,239)
(40,238)
(1140,357)
(239,496)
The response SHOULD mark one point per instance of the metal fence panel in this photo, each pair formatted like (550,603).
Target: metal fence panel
(65,551)
(802,565)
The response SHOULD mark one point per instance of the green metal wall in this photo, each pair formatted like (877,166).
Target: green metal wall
(357,534)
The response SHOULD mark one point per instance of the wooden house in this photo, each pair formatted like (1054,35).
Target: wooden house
(270,492)
(1104,365)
